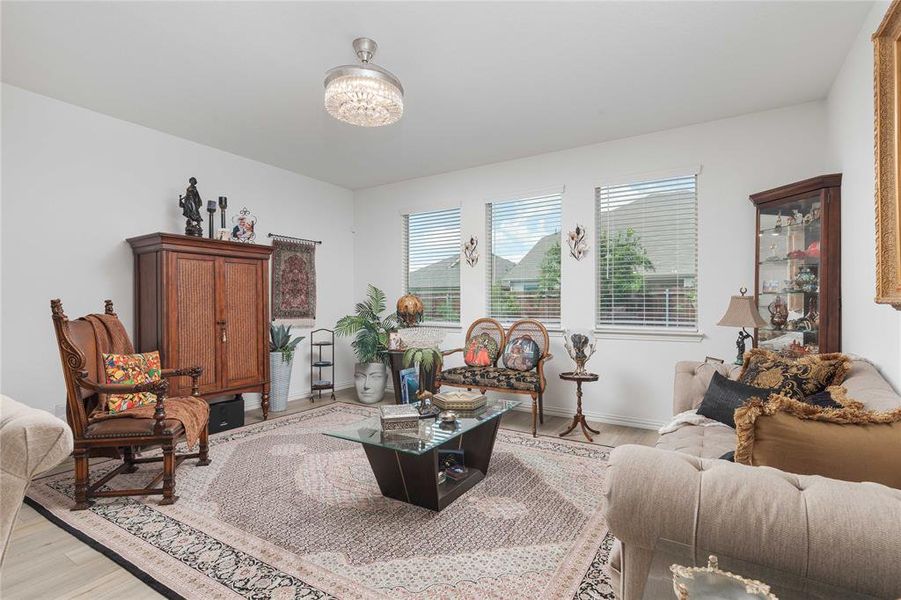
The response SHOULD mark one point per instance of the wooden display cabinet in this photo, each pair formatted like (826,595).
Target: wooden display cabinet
(798,266)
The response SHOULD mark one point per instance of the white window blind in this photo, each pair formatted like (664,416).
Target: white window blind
(432,263)
(524,259)
(647,254)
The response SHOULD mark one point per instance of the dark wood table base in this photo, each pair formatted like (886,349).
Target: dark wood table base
(414,478)
(579,418)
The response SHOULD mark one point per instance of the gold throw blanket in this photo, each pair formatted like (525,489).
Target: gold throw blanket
(193,413)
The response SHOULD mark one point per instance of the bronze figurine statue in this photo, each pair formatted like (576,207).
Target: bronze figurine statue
(190,205)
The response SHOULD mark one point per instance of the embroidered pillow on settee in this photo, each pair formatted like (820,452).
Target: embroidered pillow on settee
(481,351)
(131,369)
(521,353)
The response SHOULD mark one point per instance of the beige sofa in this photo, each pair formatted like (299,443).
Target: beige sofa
(842,533)
(31,441)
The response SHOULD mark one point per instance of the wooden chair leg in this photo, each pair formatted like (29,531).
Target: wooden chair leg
(541,408)
(534,415)
(204,458)
(129,457)
(82,479)
(169,496)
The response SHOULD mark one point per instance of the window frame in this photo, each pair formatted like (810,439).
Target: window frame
(405,282)
(649,331)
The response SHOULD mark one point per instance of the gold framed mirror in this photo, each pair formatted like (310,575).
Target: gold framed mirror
(887,109)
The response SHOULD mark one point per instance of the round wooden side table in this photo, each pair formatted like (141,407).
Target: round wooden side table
(579,418)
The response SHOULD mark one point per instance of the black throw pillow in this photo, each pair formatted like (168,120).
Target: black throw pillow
(723,396)
(823,400)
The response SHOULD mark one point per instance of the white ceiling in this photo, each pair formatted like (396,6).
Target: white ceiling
(484,82)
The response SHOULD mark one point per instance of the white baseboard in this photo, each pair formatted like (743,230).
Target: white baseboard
(252,403)
(593,416)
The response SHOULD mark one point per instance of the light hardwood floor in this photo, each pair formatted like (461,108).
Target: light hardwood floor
(45,562)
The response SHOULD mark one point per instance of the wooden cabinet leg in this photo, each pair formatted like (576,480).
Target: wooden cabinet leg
(169,496)
(81,479)
(264,402)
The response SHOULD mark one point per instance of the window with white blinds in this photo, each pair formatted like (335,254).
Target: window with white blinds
(432,263)
(647,254)
(524,259)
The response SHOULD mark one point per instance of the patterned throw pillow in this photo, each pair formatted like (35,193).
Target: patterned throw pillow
(131,369)
(481,351)
(521,354)
(794,377)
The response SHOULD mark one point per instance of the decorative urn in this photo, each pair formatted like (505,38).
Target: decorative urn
(580,345)
(410,309)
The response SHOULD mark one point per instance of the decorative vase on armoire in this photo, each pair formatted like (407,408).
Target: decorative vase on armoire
(205,302)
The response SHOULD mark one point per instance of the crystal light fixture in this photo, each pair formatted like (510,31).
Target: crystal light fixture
(366,94)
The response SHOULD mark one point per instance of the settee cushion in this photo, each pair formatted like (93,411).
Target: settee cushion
(702,442)
(496,377)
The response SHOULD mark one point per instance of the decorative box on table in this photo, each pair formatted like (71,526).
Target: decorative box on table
(399,417)
(459,400)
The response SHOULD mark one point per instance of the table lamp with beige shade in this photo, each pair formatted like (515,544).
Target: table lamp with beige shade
(742,312)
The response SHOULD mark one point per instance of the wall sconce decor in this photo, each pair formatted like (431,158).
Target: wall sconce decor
(578,247)
(471,252)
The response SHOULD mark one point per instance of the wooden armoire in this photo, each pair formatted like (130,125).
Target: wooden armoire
(205,302)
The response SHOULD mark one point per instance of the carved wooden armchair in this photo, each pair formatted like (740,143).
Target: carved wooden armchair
(117,437)
(500,378)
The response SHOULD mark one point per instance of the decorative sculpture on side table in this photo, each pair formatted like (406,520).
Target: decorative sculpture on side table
(190,205)
(580,344)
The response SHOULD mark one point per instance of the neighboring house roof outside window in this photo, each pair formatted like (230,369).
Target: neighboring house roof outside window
(529,268)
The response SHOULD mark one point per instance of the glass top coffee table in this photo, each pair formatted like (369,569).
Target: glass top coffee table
(783,585)
(405,463)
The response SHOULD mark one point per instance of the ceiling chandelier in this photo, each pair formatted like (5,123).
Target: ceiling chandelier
(366,94)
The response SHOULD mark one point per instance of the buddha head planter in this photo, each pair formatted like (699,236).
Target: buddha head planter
(370,380)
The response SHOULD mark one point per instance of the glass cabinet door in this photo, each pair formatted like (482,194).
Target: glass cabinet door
(789,274)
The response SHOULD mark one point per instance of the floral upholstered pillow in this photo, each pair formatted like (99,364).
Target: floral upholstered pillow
(794,377)
(481,351)
(131,369)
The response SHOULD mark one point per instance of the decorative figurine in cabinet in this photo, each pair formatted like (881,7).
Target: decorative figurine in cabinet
(798,266)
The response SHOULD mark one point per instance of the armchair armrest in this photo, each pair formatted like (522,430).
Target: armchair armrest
(833,531)
(449,352)
(159,388)
(193,372)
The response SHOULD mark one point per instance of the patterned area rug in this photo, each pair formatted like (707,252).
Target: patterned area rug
(286,512)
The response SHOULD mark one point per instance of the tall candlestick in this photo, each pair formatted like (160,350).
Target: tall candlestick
(223,204)
(211,208)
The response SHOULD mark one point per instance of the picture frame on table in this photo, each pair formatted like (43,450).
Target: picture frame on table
(409,384)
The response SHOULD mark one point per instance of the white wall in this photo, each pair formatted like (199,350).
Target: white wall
(869,329)
(738,157)
(76,184)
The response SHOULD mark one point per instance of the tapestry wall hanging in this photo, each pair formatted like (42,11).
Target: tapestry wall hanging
(294,281)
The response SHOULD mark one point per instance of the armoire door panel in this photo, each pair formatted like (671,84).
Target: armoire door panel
(194,327)
(242,302)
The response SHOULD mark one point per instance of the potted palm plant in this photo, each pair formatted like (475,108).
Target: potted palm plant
(370,330)
(281,358)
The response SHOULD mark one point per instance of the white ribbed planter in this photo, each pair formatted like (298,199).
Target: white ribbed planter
(280,375)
